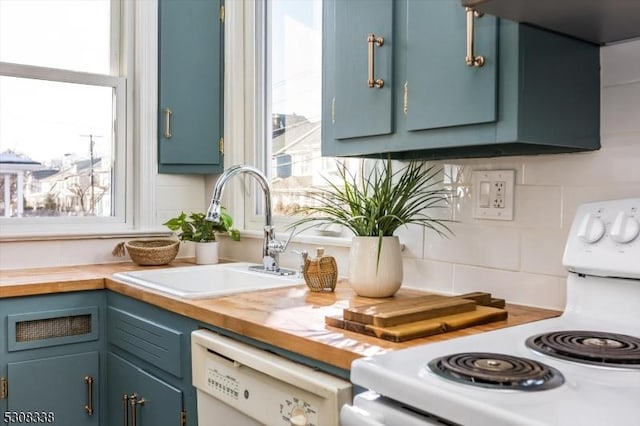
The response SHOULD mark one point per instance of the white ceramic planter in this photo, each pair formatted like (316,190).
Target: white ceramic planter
(371,278)
(207,253)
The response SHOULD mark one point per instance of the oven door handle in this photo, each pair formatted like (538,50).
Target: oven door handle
(355,416)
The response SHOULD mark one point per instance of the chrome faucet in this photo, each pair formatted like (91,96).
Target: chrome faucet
(271,247)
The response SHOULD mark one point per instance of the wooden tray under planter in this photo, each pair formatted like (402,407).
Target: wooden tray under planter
(410,318)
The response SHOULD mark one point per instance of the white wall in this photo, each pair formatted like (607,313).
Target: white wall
(518,260)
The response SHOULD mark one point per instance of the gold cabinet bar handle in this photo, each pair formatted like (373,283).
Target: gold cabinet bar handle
(125,401)
(89,407)
(133,400)
(471,59)
(167,123)
(373,42)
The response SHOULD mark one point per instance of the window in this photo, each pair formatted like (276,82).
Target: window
(291,43)
(63,98)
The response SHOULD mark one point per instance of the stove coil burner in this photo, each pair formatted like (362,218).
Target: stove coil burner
(497,371)
(589,347)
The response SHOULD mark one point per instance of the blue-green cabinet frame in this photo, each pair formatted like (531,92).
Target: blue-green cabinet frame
(48,374)
(191,64)
(539,92)
(154,346)
(156,401)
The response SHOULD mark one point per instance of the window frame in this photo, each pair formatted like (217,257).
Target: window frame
(133,58)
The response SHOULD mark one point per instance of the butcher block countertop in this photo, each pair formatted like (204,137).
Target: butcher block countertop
(291,318)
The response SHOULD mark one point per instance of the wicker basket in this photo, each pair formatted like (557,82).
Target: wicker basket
(321,274)
(149,252)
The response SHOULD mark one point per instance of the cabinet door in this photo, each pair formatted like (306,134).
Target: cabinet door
(441,90)
(191,86)
(357,109)
(56,385)
(158,403)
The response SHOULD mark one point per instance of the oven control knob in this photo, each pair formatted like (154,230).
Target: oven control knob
(298,417)
(625,228)
(591,229)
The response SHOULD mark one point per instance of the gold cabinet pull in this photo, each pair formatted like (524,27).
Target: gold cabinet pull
(167,123)
(89,406)
(133,400)
(373,42)
(125,402)
(471,59)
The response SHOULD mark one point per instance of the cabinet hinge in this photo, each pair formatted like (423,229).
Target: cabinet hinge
(405,98)
(221,145)
(222,13)
(4,388)
(183,418)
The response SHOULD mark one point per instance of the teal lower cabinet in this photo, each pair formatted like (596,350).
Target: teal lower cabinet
(51,363)
(137,398)
(148,365)
(59,390)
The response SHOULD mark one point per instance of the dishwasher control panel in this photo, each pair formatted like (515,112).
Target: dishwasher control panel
(263,386)
(251,391)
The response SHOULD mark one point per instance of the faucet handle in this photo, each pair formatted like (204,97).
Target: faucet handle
(278,246)
(304,255)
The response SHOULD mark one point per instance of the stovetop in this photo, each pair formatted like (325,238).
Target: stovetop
(603,296)
(590,395)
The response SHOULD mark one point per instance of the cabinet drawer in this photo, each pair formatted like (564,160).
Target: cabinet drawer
(152,342)
(51,328)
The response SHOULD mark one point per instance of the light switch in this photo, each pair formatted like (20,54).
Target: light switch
(493,194)
(485,193)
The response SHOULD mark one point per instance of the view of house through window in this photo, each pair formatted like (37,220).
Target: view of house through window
(294,73)
(58,106)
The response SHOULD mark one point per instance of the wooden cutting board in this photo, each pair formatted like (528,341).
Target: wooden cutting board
(423,328)
(402,311)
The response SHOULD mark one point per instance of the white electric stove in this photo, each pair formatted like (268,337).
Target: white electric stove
(582,368)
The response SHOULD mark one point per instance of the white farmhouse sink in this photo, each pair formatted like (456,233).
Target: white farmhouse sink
(201,281)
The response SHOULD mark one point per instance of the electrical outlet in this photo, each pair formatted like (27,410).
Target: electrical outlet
(492,194)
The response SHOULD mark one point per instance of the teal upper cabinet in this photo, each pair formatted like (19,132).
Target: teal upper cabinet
(435,57)
(363,35)
(535,91)
(190,76)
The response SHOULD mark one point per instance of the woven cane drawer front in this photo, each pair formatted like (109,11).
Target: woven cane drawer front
(51,328)
(150,341)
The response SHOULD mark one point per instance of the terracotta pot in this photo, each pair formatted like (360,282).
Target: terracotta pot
(207,253)
(371,275)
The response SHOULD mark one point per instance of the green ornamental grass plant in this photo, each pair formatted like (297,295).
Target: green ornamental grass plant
(377,203)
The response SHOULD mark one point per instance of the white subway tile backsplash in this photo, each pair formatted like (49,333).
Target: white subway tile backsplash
(573,196)
(477,244)
(620,110)
(428,275)
(516,287)
(180,198)
(538,207)
(620,63)
(542,251)
(412,238)
(606,166)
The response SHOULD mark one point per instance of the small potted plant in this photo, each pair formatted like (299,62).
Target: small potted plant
(373,205)
(202,232)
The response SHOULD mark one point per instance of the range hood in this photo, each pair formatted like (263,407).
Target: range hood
(597,21)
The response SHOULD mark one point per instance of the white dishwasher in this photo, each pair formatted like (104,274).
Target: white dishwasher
(240,385)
